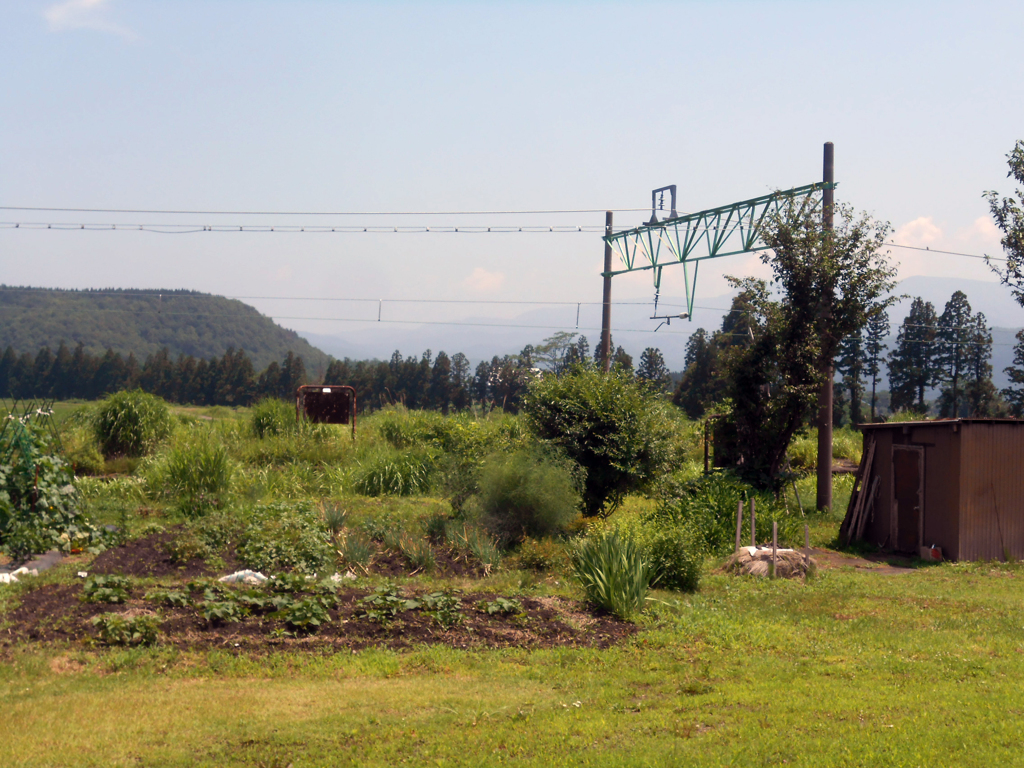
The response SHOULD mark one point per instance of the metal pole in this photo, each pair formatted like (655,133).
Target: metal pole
(824,500)
(606,308)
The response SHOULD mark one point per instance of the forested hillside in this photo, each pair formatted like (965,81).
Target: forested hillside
(142,323)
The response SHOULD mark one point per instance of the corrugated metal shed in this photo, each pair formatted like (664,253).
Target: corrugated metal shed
(954,483)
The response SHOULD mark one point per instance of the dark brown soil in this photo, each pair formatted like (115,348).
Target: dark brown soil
(147,557)
(54,612)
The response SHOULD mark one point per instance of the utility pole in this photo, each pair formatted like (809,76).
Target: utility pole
(825,398)
(606,308)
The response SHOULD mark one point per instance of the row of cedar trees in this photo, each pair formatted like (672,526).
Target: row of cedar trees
(441,383)
(951,352)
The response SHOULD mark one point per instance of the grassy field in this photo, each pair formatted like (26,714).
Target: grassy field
(857,666)
(851,668)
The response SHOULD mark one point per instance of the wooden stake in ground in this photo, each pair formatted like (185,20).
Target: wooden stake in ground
(807,543)
(739,524)
(775,544)
(753,524)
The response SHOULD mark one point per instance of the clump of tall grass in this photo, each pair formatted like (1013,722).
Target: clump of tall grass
(131,423)
(271,417)
(196,473)
(356,550)
(846,444)
(395,473)
(469,538)
(614,574)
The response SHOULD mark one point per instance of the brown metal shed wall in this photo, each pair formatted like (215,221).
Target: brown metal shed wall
(941,485)
(879,519)
(992,491)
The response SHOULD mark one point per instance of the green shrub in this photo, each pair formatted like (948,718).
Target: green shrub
(613,427)
(443,608)
(105,589)
(171,597)
(501,606)
(131,423)
(523,494)
(541,555)
(614,574)
(223,611)
(385,603)
(39,504)
(706,508)
(271,417)
(196,474)
(116,629)
(280,537)
(306,615)
(396,473)
(676,558)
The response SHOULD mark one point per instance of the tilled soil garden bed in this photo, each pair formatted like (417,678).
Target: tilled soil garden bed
(183,605)
(56,612)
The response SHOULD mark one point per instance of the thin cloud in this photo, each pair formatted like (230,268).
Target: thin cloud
(483,281)
(85,14)
(922,232)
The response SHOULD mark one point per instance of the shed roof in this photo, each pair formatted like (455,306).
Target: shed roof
(937,423)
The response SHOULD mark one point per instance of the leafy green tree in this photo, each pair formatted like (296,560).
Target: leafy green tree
(829,282)
(652,370)
(556,353)
(953,336)
(614,428)
(874,346)
(1008,214)
(1014,393)
(913,364)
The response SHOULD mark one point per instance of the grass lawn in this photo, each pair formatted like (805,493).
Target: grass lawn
(852,668)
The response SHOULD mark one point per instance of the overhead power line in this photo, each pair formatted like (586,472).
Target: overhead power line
(188,229)
(317,213)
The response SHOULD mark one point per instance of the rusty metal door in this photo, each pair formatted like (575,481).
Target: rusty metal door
(908,496)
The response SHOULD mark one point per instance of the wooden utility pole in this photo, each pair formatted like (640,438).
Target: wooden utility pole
(824,500)
(606,308)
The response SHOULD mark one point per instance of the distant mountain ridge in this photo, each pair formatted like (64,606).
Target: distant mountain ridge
(142,322)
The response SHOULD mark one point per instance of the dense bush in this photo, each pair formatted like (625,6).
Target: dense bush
(39,506)
(706,509)
(524,494)
(131,423)
(282,537)
(677,557)
(271,417)
(609,424)
(614,573)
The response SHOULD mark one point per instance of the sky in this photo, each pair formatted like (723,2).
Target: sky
(388,108)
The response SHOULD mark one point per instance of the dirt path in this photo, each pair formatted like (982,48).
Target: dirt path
(882,563)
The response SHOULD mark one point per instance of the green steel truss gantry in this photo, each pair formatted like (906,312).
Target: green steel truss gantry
(688,240)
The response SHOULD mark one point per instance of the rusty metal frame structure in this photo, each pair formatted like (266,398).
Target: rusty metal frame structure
(300,400)
(710,234)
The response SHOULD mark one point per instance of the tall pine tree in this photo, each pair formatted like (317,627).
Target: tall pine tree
(954,336)
(912,364)
(874,345)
